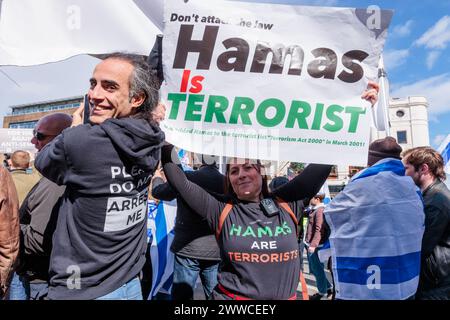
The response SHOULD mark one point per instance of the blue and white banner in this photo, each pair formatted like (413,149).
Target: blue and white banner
(160,224)
(377,224)
(326,191)
(184,159)
(324,252)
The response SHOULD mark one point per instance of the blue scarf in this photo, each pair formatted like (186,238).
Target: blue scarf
(395,166)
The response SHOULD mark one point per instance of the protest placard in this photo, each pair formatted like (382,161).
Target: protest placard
(273,82)
(16,139)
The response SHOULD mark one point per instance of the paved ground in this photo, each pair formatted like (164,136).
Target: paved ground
(309,279)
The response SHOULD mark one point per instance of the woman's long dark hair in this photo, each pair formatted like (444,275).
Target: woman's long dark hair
(229,188)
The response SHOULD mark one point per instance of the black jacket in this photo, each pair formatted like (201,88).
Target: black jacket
(435,268)
(193,237)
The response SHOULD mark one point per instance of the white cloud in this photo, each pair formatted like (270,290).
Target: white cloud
(402,30)
(434,89)
(438,139)
(432,58)
(395,58)
(438,36)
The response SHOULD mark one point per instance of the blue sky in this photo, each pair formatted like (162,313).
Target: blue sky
(417,58)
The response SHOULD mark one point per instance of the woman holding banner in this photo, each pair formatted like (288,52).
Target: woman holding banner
(256,229)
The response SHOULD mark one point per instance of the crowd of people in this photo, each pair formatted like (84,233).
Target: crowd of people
(78,229)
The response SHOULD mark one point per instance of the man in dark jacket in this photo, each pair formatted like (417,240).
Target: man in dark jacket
(194,245)
(100,239)
(426,167)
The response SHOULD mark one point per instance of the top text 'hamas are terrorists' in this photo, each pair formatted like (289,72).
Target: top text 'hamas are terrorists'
(324,66)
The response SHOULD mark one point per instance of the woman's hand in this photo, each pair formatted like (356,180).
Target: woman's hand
(371,93)
(159,113)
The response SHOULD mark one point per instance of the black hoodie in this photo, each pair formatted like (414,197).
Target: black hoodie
(100,239)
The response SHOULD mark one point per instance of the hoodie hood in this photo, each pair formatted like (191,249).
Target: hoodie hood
(137,140)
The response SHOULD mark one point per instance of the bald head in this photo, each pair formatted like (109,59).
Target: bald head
(55,123)
(48,127)
(20,159)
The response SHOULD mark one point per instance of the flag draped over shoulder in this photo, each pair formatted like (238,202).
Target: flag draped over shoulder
(161,222)
(377,224)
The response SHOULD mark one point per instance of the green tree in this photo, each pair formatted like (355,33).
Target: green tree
(297,166)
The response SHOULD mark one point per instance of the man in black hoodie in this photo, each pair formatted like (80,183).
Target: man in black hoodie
(100,239)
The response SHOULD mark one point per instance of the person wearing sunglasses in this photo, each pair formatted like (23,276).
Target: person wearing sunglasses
(48,127)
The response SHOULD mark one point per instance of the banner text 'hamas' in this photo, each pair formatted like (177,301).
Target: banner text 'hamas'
(289,90)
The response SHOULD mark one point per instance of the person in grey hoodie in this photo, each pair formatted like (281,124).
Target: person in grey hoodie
(106,165)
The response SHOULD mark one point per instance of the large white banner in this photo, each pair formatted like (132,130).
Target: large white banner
(41,31)
(274,82)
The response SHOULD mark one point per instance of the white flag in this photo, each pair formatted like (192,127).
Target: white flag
(36,32)
(380,111)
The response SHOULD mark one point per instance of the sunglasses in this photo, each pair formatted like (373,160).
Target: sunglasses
(40,136)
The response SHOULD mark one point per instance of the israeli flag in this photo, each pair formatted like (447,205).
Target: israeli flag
(377,224)
(326,191)
(184,159)
(324,252)
(444,150)
(160,224)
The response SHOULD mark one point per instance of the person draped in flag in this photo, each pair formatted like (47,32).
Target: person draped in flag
(376,224)
(426,167)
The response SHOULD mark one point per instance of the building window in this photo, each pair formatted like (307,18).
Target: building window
(401,137)
(334,190)
(400,113)
(23,125)
(352,170)
(333,173)
(44,108)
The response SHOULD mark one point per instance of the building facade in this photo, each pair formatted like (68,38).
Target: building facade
(408,119)
(26,115)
